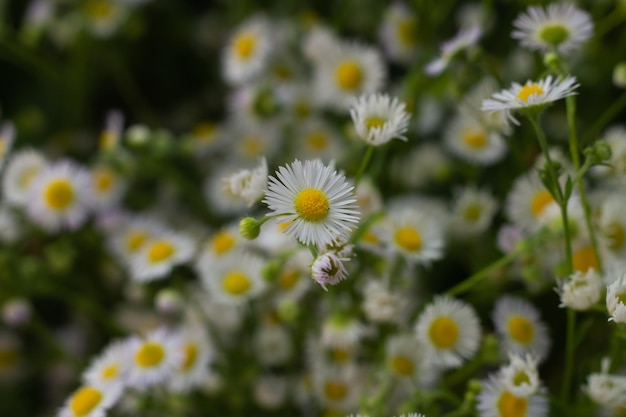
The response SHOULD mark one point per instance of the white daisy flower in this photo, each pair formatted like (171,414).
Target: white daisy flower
(196,356)
(520,329)
(59,196)
(405,359)
(528,202)
(22,168)
(270,391)
(155,358)
(273,345)
(382,305)
(7,136)
(348,71)
(219,195)
(606,389)
(338,388)
(449,330)
(91,401)
(318,42)
(612,226)
(562,27)
(104,17)
(316,139)
(532,96)
(317,200)
(247,51)
(465,39)
(112,132)
(378,118)
(472,212)
(342,331)
(206,136)
(110,367)
(496,400)
(470,140)
(249,185)
(132,235)
(107,187)
(471,103)
(235,279)
(581,291)
(221,243)
(615,296)
(328,268)
(520,377)
(398,33)
(160,255)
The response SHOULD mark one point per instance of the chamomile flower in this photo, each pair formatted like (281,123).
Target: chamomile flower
(348,71)
(449,330)
(7,135)
(532,96)
(560,27)
(496,400)
(612,226)
(606,389)
(235,279)
(383,305)
(465,39)
(318,42)
(154,358)
(22,168)
(219,194)
(615,296)
(249,185)
(378,118)
(528,202)
(160,255)
(470,140)
(110,367)
(404,358)
(338,388)
(107,187)
(520,329)
(247,51)
(317,200)
(222,242)
(520,377)
(398,33)
(58,197)
(317,139)
(270,391)
(471,103)
(582,290)
(91,401)
(472,212)
(196,356)
(132,235)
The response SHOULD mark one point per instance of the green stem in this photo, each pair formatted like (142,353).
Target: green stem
(606,117)
(570,346)
(364,162)
(474,279)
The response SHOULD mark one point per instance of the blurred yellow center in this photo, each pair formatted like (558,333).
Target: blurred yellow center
(369,237)
(407,32)
(317,140)
(402,365)
(472,212)
(521,378)
(340,355)
(540,201)
(160,251)
(373,122)
(99,9)
(615,235)
(511,406)
(585,259)
(103,179)
(443,332)
(312,204)
(528,90)
(85,400)
(236,283)
(149,355)
(108,140)
(59,194)
(222,242)
(349,75)
(554,34)
(191,353)
(408,238)
(135,239)
(244,45)
(109,372)
(335,391)
(288,279)
(474,138)
(521,330)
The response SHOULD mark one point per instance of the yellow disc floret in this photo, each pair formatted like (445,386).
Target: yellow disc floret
(222,242)
(540,201)
(191,354)
(521,330)
(150,355)
(528,90)
(335,391)
(160,251)
(312,204)
(402,365)
(443,332)
(349,75)
(374,122)
(511,406)
(474,138)
(236,283)
(85,400)
(408,238)
(59,194)
(244,45)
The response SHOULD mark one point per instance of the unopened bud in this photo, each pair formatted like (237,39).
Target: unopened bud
(619,75)
(551,60)
(249,228)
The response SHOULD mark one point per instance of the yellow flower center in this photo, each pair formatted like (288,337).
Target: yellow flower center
(521,330)
(615,235)
(244,45)
(236,283)
(108,140)
(149,355)
(585,259)
(521,378)
(318,140)
(528,90)
(408,238)
(340,355)
(540,201)
(222,242)
(251,146)
(349,75)
(474,138)
(369,237)
(443,332)
(554,34)
(402,365)
(312,204)
(472,212)
(335,391)
(288,279)
(511,406)
(204,130)
(374,122)
(407,32)
(135,239)
(59,194)
(160,251)
(103,179)
(85,400)
(191,354)
(109,372)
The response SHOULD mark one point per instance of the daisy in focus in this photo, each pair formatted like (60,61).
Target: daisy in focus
(316,201)
(531,97)
(560,27)
(378,118)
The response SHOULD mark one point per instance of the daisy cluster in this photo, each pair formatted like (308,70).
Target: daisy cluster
(364,214)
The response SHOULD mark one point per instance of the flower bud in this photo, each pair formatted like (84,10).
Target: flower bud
(249,227)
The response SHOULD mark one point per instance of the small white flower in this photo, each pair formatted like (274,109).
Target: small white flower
(606,389)
(107,187)
(247,51)
(378,118)
(496,400)
(112,132)
(561,27)
(273,344)
(616,299)
(398,33)
(247,184)
(382,305)
(520,377)
(470,140)
(22,168)
(154,359)
(160,255)
(195,359)
(110,367)
(529,202)
(582,290)
(472,212)
(328,268)
(342,331)
(465,39)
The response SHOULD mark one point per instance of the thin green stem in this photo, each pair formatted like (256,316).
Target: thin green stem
(570,346)
(474,279)
(364,162)
(606,117)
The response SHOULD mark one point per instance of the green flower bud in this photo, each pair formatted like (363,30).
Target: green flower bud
(619,75)
(249,228)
